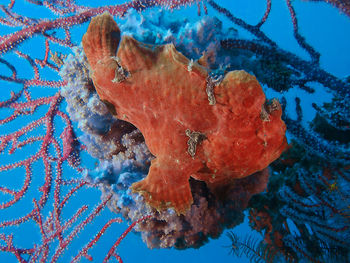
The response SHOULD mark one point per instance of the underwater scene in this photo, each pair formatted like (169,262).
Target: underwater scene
(174,130)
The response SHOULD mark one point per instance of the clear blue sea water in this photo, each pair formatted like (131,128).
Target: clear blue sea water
(323,26)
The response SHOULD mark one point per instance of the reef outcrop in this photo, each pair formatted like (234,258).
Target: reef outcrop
(215,131)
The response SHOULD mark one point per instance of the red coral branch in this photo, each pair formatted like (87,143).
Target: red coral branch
(116,244)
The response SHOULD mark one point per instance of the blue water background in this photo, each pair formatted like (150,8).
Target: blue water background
(325,29)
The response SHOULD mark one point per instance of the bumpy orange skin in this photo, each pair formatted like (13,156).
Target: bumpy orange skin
(163,98)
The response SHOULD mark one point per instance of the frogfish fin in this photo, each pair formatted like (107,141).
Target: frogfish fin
(165,187)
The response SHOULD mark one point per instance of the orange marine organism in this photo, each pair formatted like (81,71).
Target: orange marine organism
(195,127)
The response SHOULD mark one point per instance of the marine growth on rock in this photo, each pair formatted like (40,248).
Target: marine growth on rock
(196,127)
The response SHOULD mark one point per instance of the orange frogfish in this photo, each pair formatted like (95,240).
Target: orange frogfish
(194,126)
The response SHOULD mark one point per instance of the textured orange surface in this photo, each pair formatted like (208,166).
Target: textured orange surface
(155,89)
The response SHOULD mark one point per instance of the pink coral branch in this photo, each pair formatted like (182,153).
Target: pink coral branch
(266,14)
(83,252)
(116,244)
(12,40)
(78,228)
